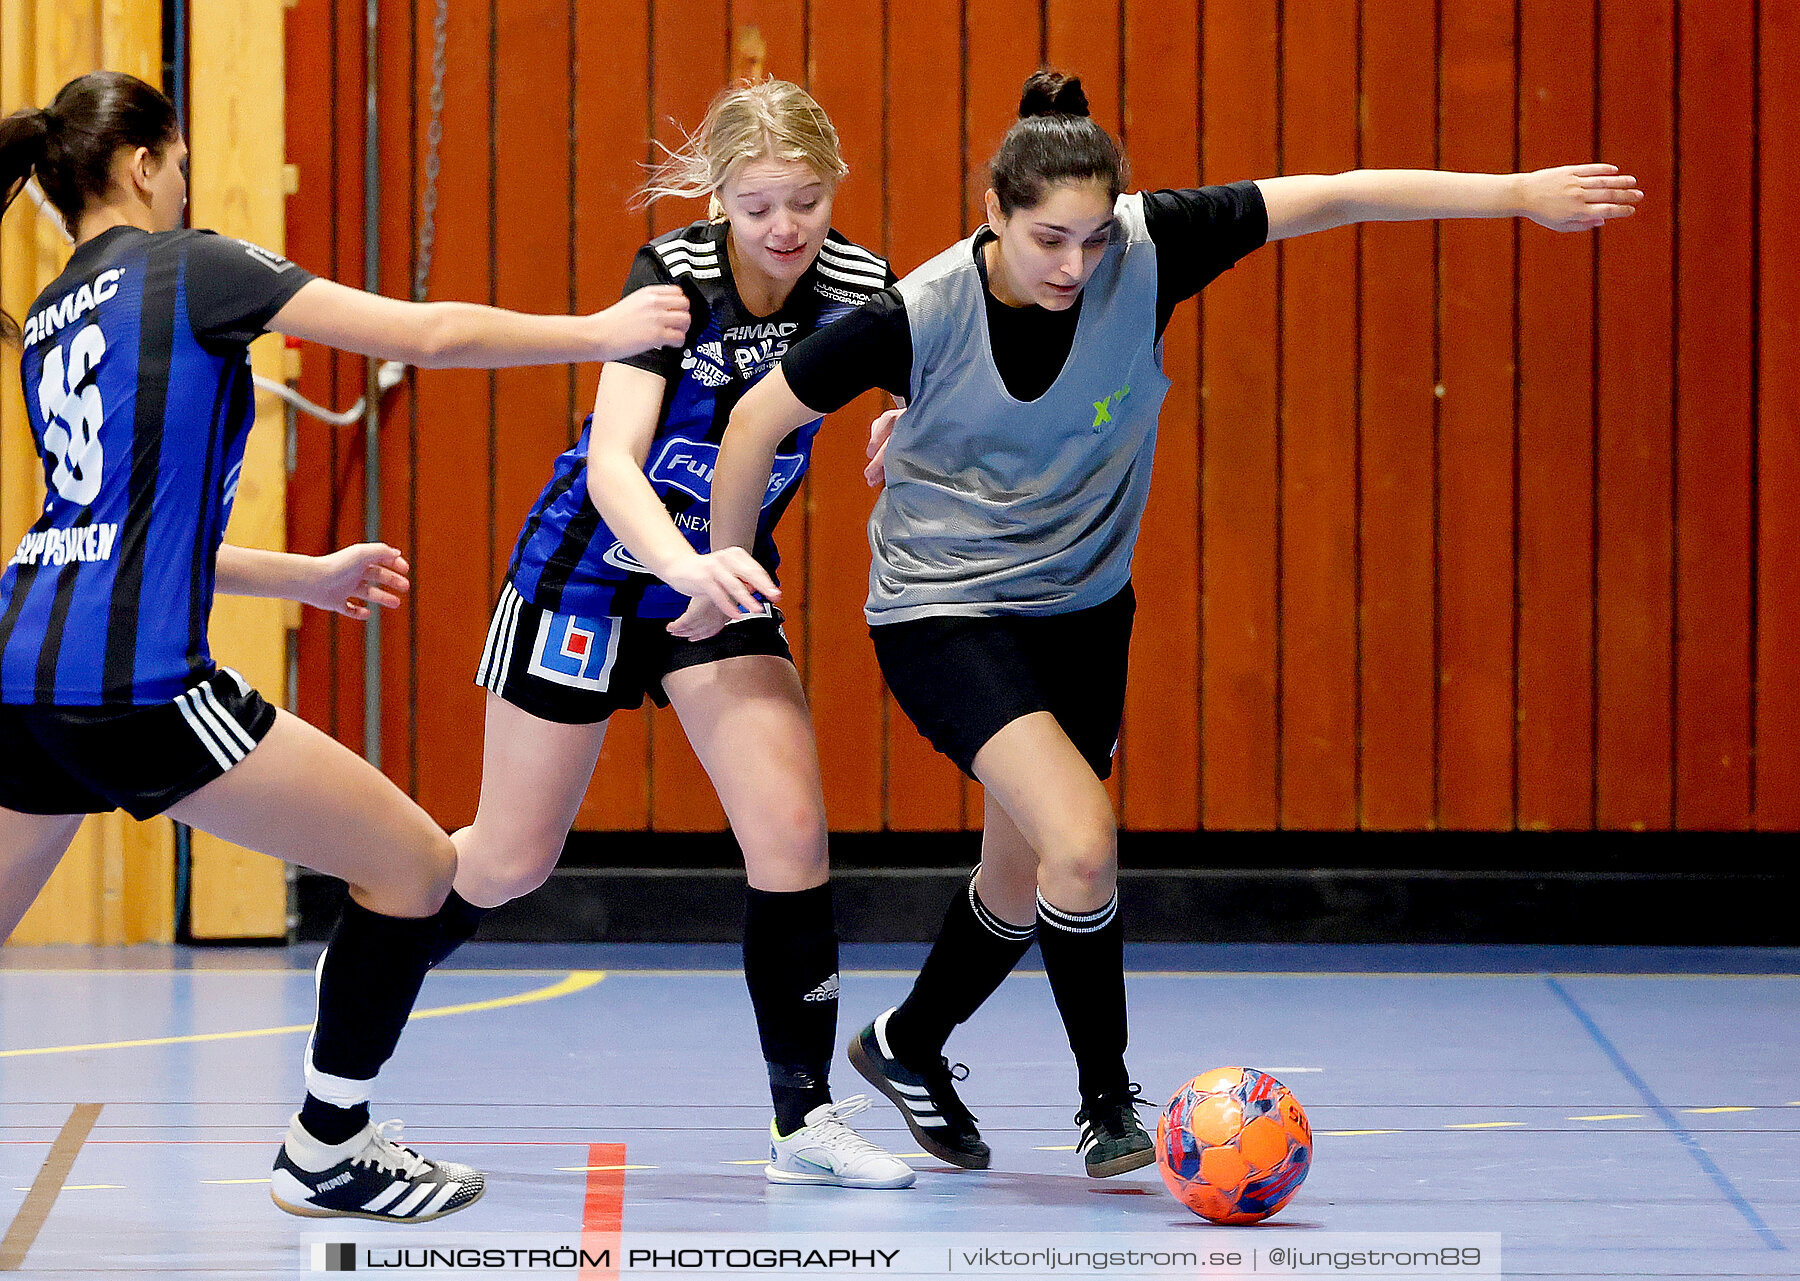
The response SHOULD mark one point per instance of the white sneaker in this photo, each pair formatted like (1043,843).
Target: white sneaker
(825,1150)
(369,1176)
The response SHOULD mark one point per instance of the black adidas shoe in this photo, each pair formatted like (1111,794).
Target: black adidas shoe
(936,1117)
(1112,1141)
(368,1177)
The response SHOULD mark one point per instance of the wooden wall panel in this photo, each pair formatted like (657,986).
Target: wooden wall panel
(926,192)
(1161,746)
(612,131)
(1714,381)
(1555,760)
(1397,756)
(690,49)
(842,679)
(1489,536)
(456,534)
(1634,765)
(1777,678)
(116,883)
(1239,482)
(1318,431)
(236,135)
(1475,432)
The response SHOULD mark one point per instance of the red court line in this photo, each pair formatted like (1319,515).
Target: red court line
(603,1213)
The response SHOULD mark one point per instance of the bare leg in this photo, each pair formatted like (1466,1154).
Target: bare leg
(302,796)
(1007,877)
(748,721)
(1058,806)
(31,845)
(534,774)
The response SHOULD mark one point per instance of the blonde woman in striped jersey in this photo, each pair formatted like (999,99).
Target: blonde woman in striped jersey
(614,551)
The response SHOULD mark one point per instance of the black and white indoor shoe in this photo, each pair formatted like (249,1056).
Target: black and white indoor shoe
(927,1098)
(369,1176)
(1113,1141)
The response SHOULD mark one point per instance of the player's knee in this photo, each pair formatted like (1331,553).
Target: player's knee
(788,848)
(1085,858)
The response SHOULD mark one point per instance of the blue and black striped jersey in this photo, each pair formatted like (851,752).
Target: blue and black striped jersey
(566,559)
(136,373)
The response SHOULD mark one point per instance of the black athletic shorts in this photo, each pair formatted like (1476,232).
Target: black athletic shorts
(963,680)
(90,760)
(579,671)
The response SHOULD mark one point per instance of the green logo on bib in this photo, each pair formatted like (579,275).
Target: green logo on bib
(1103,408)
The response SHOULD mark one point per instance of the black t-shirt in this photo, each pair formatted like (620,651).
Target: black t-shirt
(234,288)
(1199,233)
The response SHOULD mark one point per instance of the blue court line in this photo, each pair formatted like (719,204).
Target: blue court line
(1668,1118)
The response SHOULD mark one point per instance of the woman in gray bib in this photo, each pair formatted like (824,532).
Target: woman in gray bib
(1030,357)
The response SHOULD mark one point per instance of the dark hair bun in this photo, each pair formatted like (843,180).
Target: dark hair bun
(1051,93)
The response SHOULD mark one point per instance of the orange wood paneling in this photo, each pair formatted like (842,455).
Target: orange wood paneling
(1318,431)
(1714,434)
(1397,435)
(690,60)
(1634,768)
(843,680)
(1239,487)
(1556,434)
(1558,596)
(1475,432)
(1161,747)
(924,209)
(456,535)
(1777,683)
(612,132)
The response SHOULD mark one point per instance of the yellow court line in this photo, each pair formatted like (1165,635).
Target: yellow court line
(574,981)
(90,1187)
(1069,1148)
(1611,1116)
(1709,1111)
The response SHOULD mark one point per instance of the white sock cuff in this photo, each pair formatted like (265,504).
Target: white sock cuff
(1078,922)
(1005,931)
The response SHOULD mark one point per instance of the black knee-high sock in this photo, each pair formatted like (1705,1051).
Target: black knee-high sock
(974,952)
(457,920)
(369,978)
(791,966)
(1084,958)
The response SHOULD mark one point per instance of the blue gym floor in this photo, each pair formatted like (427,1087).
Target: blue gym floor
(1609,1112)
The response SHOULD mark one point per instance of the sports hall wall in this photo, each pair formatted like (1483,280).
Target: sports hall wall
(1477,527)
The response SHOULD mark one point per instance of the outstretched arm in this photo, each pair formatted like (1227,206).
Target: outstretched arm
(345,582)
(1569,198)
(452,335)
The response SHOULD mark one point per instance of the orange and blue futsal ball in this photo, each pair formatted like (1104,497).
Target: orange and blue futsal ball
(1233,1144)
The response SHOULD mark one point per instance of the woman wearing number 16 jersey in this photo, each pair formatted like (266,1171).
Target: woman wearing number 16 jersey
(612,554)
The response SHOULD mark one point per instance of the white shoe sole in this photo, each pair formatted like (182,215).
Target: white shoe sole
(775,1175)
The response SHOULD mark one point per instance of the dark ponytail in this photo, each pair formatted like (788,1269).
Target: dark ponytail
(69,147)
(1053,140)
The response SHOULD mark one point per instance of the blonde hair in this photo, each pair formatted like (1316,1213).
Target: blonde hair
(760,120)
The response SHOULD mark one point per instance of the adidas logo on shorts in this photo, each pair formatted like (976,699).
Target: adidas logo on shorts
(826,991)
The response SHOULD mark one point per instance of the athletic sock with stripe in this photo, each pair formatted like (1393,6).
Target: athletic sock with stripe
(1084,959)
(791,967)
(974,952)
(368,979)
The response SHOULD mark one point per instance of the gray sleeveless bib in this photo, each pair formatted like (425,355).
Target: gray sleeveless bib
(998,506)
